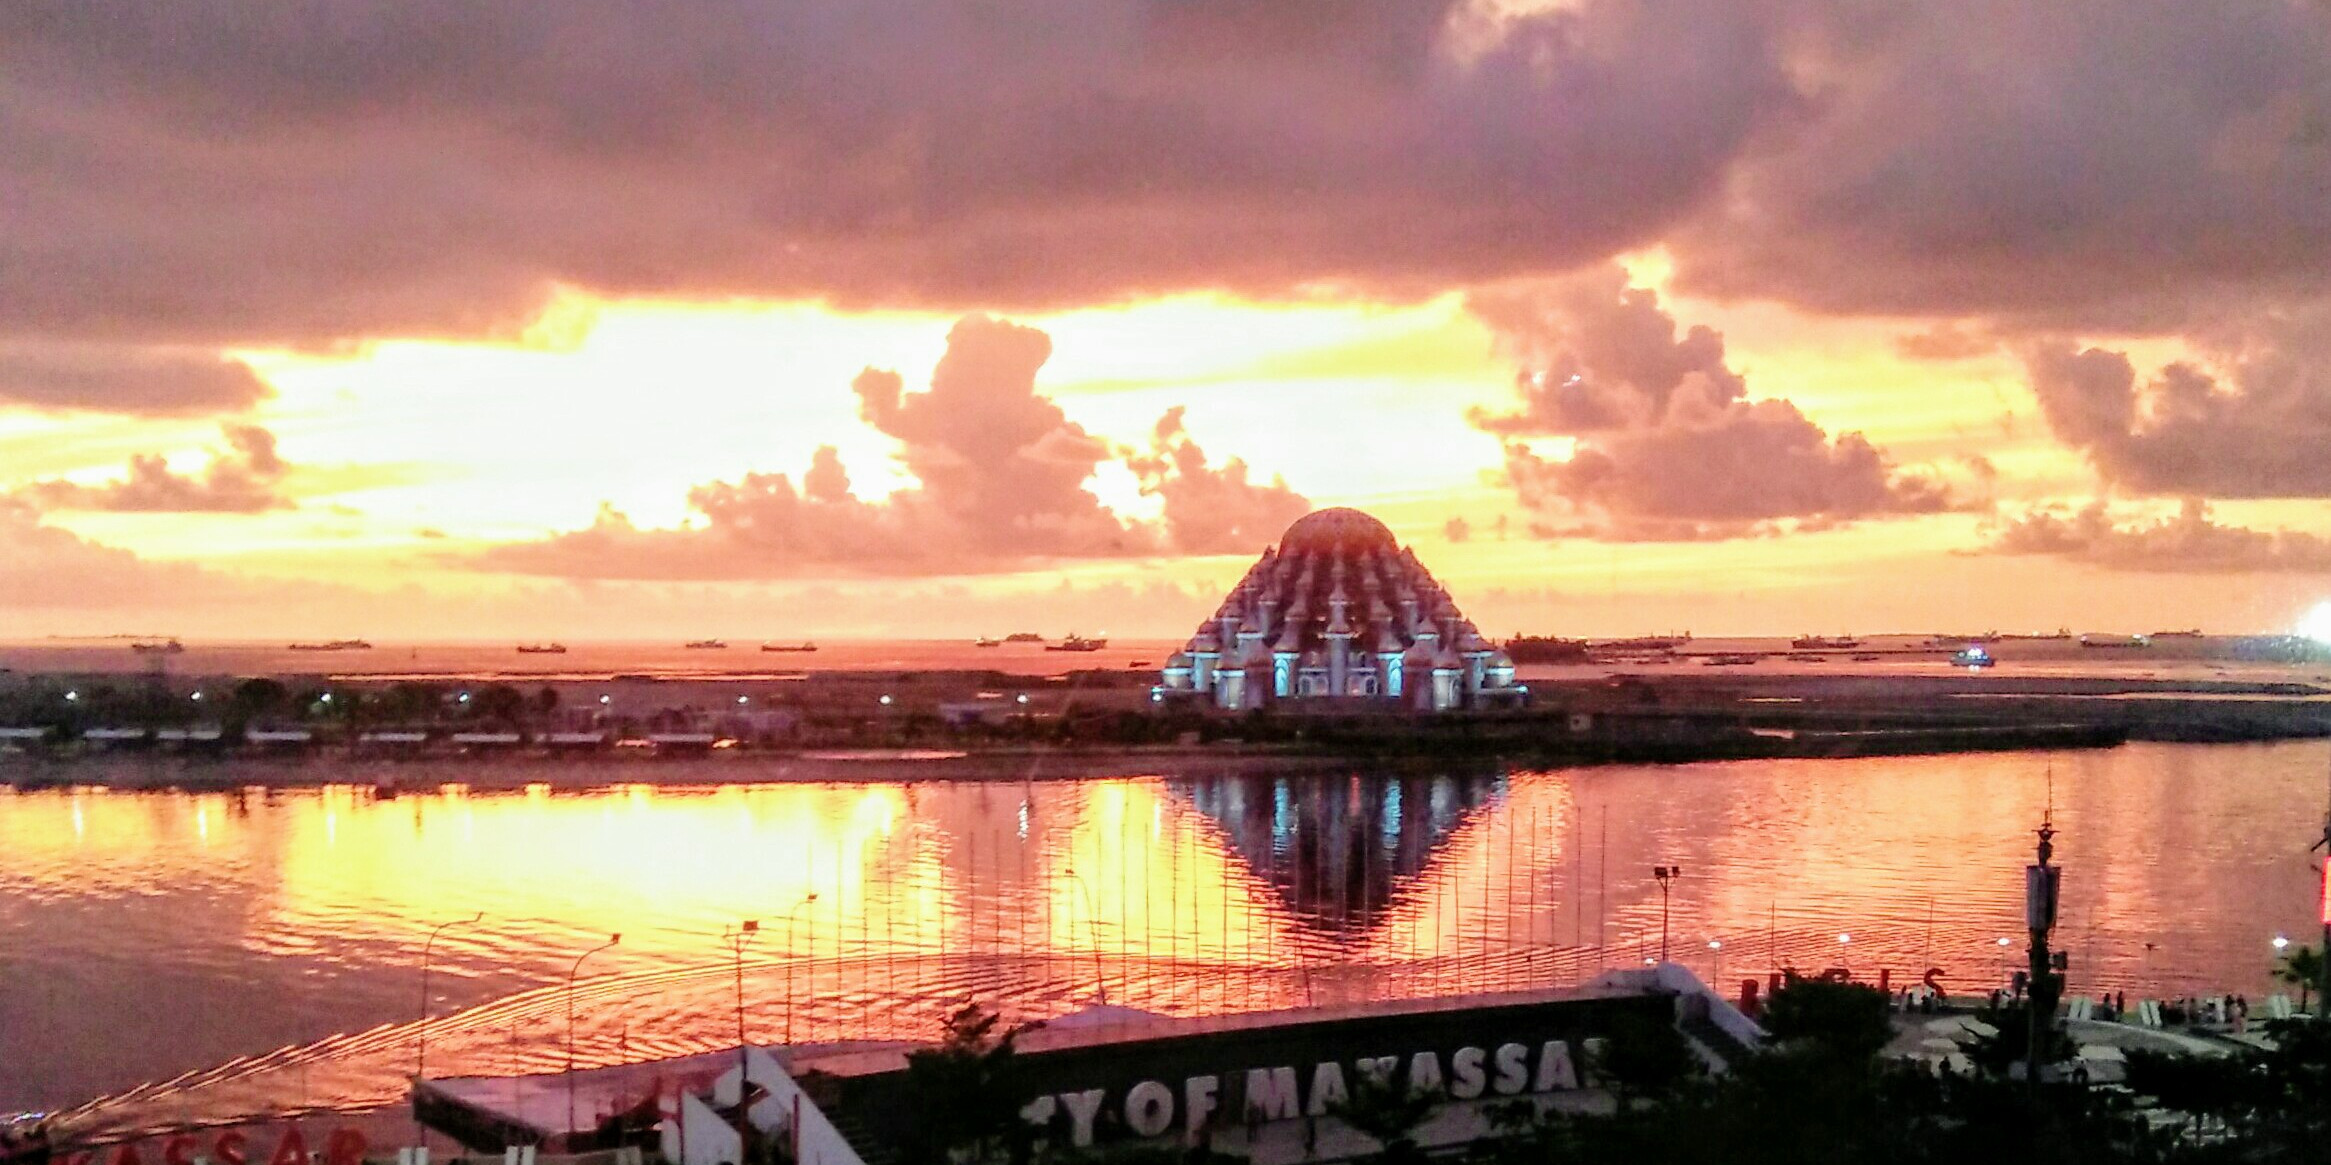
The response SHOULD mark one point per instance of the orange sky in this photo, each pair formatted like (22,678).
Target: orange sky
(583,351)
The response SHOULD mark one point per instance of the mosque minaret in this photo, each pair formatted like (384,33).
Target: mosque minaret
(1340,613)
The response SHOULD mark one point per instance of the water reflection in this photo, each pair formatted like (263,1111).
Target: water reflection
(152,934)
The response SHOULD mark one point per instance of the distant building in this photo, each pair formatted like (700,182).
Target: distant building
(1339,613)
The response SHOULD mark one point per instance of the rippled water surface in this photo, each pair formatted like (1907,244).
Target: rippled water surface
(246,951)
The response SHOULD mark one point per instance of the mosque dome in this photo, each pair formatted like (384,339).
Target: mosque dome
(1338,530)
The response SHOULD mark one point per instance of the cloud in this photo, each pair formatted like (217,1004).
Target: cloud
(1664,444)
(217,174)
(2190,542)
(1001,475)
(1210,510)
(2131,164)
(45,567)
(110,378)
(245,478)
(2255,428)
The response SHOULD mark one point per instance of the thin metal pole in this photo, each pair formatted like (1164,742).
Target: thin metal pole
(570,1072)
(790,960)
(421,1031)
(737,940)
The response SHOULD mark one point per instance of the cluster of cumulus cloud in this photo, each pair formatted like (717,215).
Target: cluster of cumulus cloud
(1001,482)
(191,179)
(1664,444)
(244,478)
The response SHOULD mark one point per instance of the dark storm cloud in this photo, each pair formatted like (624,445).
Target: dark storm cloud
(1001,475)
(1210,510)
(244,478)
(232,173)
(2126,163)
(2255,427)
(1667,445)
(2190,542)
(63,377)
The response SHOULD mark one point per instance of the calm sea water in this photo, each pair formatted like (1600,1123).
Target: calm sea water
(263,949)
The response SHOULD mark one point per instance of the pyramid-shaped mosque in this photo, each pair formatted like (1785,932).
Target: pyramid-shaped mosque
(1339,614)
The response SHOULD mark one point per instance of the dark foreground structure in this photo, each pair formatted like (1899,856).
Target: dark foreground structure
(1271,1087)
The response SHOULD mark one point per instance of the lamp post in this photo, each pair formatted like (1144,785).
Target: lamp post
(1093,931)
(738,938)
(1716,965)
(1665,874)
(798,907)
(571,972)
(421,1033)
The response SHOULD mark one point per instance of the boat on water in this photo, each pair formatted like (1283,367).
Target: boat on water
(1972,657)
(334,645)
(1816,642)
(804,645)
(164,647)
(2188,633)
(542,649)
(1075,642)
(2116,642)
(706,645)
(1023,637)
(987,641)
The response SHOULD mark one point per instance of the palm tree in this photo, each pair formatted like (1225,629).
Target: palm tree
(2302,968)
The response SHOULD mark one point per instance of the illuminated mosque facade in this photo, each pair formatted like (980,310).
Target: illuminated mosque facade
(1339,615)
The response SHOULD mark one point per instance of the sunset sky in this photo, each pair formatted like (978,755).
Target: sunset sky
(935,318)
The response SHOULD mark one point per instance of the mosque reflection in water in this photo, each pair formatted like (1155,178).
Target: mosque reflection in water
(1339,851)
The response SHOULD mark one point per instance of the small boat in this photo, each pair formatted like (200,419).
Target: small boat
(165,647)
(804,645)
(987,641)
(334,645)
(706,645)
(2115,642)
(1075,642)
(1972,657)
(2188,633)
(542,649)
(1865,657)
(1023,637)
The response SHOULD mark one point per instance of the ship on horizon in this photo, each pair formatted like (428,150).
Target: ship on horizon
(162,647)
(333,645)
(1075,642)
(542,649)
(804,645)
(1023,637)
(987,641)
(1815,642)
(706,645)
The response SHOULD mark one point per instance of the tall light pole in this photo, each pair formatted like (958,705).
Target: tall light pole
(421,1033)
(571,971)
(2323,989)
(1665,874)
(798,907)
(738,938)
(2040,884)
(1093,930)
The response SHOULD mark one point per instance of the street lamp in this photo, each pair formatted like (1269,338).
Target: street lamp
(571,971)
(737,939)
(789,916)
(1716,967)
(421,1033)
(2003,945)
(1665,874)
(1093,930)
